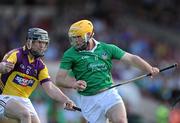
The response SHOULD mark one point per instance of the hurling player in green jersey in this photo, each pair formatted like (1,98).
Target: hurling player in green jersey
(91,63)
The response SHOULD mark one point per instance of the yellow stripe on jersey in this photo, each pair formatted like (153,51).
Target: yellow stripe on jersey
(11,57)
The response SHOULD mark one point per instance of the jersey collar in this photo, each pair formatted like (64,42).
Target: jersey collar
(92,50)
(96,44)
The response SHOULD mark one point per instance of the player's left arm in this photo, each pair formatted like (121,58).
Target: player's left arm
(56,94)
(53,91)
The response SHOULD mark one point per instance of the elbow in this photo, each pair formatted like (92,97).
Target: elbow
(136,58)
(57,81)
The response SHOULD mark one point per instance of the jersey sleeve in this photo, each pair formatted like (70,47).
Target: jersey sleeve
(66,62)
(117,53)
(44,75)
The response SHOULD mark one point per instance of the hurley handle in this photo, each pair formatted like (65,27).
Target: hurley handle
(163,69)
(76,108)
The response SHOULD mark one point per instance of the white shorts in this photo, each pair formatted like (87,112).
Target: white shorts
(94,107)
(24,101)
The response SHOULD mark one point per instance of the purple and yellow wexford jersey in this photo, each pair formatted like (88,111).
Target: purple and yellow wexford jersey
(25,76)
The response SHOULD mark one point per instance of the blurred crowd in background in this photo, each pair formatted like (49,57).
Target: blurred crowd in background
(148,28)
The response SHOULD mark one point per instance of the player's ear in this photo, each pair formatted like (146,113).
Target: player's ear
(29,44)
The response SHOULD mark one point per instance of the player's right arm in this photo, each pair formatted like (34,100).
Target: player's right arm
(63,80)
(8,62)
(6,67)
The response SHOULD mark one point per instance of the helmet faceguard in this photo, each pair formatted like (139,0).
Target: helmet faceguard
(80,33)
(80,42)
(37,34)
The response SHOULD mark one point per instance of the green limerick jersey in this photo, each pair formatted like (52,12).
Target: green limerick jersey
(92,67)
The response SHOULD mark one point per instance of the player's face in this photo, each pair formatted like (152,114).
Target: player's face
(39,46)
(77,42)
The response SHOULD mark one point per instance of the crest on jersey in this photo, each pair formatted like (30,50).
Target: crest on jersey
(22,66)
(104,55)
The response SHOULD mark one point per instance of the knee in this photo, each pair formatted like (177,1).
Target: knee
(25,114)
(35,119)
(120,120)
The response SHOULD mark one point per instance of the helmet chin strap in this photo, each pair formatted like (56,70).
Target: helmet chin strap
(36,54)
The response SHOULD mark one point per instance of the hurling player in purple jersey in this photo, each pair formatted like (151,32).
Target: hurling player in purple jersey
(21,71)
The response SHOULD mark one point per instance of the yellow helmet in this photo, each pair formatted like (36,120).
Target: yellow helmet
(78,30)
